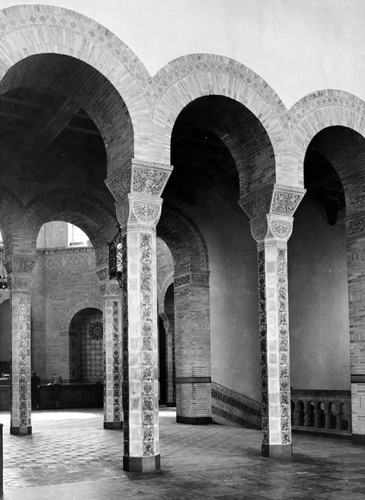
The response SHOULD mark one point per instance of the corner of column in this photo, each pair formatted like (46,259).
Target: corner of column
(142,464)
(113,425)
(21,431)
(284,451)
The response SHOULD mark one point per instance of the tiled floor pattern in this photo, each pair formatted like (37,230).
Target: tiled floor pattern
(70,456)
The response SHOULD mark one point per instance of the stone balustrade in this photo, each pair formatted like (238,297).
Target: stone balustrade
(321,411)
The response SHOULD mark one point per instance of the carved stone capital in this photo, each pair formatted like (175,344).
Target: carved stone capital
(139,177)
(20,264)
(257,204)
(19,284)
(275,200)
(286,199)
(271,227)
(280,227)
(149,178)
(102,273)
(119,184)
(110,288)
(139,211)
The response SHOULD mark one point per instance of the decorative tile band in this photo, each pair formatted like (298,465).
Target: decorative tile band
(358,378)
(218,412)
(125,362)
(263,345)
(356,225)
(283,345)
(193,380)
(146,291)
(196,278)
(117,410)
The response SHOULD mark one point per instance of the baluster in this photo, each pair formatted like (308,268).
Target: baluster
(327,415)
(307,414)
(339,417)
(317,414)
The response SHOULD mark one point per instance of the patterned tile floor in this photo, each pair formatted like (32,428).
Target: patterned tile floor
(70,456)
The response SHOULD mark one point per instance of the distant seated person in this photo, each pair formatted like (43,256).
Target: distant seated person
(35,391)
(57,388)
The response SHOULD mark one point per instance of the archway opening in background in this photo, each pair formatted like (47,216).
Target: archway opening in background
(86,346)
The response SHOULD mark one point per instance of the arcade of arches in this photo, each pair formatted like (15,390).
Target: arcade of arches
(236,214)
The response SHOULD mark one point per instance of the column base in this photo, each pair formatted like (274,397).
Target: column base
(21,431)
(193,420)
(358,439)
(141,464)
(113,425)
(277,450)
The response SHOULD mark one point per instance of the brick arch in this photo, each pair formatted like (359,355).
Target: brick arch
(191,77)
(78,208)
(92,304)
(28,30)
(11,218)
(184,240)
(316,112)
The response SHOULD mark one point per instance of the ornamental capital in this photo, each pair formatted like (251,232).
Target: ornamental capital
(139,177)
(271,228)
(272,200)
(20,264)
(139,212)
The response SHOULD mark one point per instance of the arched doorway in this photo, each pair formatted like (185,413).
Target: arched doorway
(86,346)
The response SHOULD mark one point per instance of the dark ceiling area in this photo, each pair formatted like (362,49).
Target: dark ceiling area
(47,139)
(201,161)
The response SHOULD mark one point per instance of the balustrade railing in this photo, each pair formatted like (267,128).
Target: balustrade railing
(321,411)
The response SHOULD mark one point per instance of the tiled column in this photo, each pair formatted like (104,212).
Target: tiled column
(272,230)
(138,213)
(20,282)
(112,342)
(356,287)
(192,348)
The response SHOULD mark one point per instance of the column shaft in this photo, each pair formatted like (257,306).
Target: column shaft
(21,363)
(113,406)
(140,351)
(274,340)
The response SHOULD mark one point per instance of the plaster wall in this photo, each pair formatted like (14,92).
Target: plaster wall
(318,301)
(233,291)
